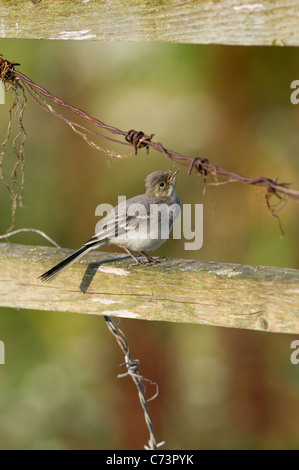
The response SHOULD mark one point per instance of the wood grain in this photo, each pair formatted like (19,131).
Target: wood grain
(193,21)
(178,290)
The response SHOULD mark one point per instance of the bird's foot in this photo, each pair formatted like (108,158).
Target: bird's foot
(139,262)
(150,260)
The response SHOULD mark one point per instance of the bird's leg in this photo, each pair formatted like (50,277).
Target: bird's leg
(151,260)
(138,261)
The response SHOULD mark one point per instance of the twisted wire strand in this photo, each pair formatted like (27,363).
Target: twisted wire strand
(133,371)
(139,139)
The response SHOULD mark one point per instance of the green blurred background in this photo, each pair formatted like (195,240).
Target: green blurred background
(219,388)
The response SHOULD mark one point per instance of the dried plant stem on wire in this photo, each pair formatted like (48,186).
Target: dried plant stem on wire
(15,181)
(75,126)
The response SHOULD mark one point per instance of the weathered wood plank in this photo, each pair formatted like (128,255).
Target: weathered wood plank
(192,21)
(227,295)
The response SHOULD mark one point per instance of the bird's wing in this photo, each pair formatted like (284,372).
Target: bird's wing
(126,217)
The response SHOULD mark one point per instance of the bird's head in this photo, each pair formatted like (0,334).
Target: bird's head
(161,184)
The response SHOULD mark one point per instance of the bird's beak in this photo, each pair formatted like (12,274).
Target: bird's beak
(170,177)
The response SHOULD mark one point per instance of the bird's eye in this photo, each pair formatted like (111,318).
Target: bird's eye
(162,184)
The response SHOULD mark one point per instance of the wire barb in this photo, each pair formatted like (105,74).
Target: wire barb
(198,163)
(139,139)
(7,70)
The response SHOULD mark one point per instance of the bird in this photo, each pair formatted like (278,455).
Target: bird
(141,223)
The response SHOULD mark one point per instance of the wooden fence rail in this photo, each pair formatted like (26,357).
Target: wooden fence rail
(236,22)
(178,290)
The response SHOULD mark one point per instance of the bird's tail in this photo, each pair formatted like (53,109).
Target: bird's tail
(53,272)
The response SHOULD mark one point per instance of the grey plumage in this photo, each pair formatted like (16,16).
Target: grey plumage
(131,224)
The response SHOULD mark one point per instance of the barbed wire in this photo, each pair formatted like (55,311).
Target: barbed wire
(19,84)
(132,365)
(137,139)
